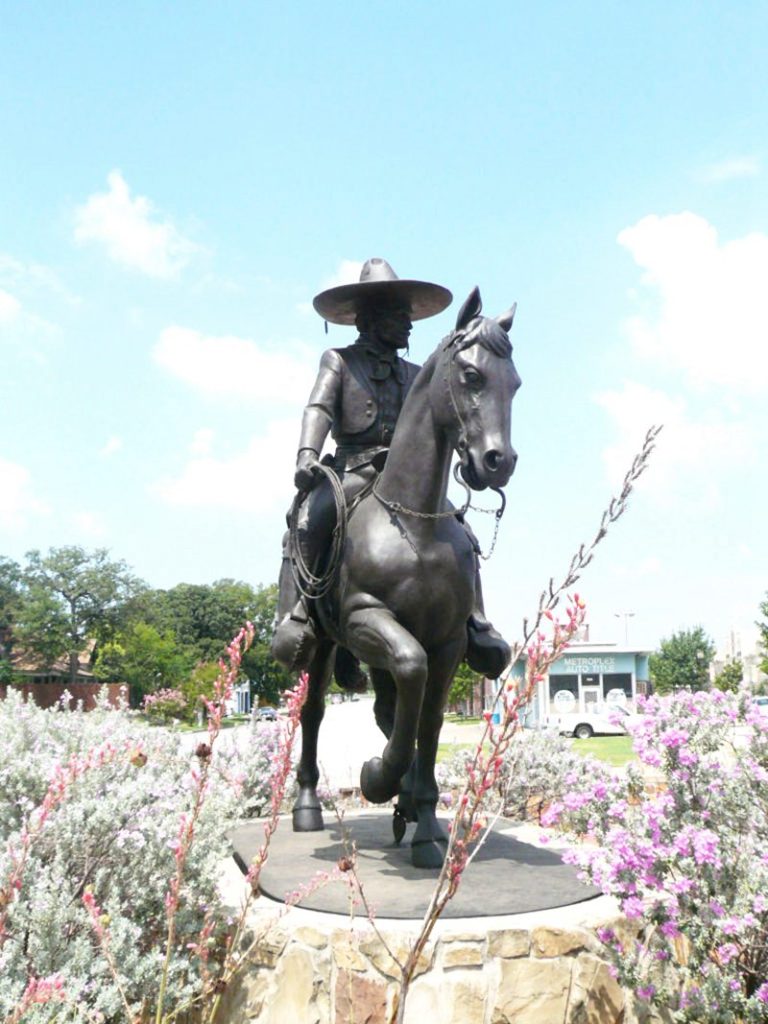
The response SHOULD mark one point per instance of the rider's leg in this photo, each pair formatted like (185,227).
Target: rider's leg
(294,641)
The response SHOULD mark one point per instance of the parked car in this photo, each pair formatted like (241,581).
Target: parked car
(266,715)
(602,721)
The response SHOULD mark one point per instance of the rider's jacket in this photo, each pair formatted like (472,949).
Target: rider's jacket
(357,396)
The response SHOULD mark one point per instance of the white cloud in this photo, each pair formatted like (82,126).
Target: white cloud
(202,442)
(10,307)
(257,479)
(114,444)
(131,232)
(712,316)
(17,500)
(728,170)
(230,366)
(691,451)
(34,277)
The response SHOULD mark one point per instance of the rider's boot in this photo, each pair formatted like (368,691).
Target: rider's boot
(294,641)
(487,651)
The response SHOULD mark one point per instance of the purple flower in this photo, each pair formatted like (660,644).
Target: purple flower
(762,992)
(645,992)
(632,907)
(727,952)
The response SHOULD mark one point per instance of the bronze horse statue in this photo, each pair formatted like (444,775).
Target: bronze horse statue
(405,583)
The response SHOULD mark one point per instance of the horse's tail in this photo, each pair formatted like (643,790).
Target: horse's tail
(348,672)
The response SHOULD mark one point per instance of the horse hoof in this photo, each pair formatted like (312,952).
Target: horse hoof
(399,825)
(425,853)
(308,819)
(378,783)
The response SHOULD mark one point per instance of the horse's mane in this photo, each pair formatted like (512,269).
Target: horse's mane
(485,331)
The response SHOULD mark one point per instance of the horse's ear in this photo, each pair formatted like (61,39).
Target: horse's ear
(506,319)
(470,309)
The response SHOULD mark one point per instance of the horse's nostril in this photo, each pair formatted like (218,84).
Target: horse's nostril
(492,460)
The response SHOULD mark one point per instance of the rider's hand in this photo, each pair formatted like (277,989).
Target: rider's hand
(307,470)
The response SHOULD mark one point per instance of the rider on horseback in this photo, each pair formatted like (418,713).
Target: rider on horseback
(357,397)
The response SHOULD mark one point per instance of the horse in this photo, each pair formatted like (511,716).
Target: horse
(405,583)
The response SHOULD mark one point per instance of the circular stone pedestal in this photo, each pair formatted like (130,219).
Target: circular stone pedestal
(506,876)
(518,945)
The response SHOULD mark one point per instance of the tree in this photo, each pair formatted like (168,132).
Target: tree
(463,685)
(268,678)
(145,660)
(682,662)
(762,625)
(730,677)
(86,588)
(10,592)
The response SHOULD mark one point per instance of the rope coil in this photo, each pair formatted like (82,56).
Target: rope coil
(309,584)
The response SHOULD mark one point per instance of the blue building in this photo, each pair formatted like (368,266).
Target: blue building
(588,676)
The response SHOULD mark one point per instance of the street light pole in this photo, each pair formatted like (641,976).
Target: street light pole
(626,616)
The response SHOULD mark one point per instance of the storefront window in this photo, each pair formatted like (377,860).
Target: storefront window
(563,694)
(621,681)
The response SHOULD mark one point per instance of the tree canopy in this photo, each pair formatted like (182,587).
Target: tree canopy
(682,662)
(762,625)
(59,603)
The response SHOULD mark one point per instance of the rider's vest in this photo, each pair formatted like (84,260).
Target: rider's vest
(369,407)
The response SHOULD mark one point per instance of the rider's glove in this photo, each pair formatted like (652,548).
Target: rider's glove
(307,470)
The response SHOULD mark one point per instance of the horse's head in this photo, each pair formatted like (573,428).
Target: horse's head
(471,395)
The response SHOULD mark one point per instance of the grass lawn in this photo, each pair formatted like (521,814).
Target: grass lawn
(616,750)
(447,750)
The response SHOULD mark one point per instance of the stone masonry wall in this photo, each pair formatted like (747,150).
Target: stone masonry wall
(310,969)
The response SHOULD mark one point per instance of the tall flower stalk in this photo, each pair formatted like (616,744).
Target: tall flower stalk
(470,820)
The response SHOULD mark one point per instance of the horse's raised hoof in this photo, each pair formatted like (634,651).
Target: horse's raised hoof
(378,782)
(307,812)
(399,825)
(426,853)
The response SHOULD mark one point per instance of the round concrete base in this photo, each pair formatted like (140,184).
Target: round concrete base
(507,876)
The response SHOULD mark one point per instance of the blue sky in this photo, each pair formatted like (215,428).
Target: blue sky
(179,180)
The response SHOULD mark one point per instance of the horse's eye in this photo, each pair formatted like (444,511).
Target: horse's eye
(472,377)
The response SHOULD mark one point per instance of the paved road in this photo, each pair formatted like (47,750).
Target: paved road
(348,737)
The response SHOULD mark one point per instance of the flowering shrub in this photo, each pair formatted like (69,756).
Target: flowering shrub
(689,860)
(248,763)
(89,809)
(111,841)
(540,768)
(165,705)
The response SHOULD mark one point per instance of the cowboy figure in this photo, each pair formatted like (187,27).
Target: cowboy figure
(357,398)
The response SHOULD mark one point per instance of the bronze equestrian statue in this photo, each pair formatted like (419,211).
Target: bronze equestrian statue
(401,592)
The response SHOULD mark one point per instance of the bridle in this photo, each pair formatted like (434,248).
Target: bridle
(461,446)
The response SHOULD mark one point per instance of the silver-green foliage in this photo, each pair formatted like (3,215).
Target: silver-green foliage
(116,832)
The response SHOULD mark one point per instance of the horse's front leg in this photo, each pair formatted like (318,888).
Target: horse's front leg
(429,840)
(378,639)
(307,810)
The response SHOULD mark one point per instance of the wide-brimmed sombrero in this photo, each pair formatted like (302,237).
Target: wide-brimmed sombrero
(379,283)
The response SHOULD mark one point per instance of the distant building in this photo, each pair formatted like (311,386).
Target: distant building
(46,684)
(588,676)
(749,652)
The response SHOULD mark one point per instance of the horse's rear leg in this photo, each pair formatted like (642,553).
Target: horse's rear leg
(377,638)
(307,811)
